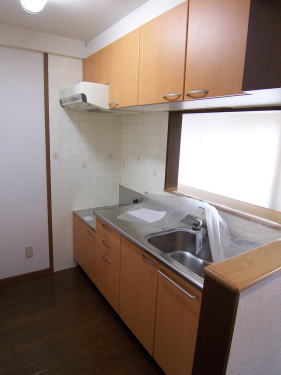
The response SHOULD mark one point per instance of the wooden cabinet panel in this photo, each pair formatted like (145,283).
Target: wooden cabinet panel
(177,319)
(79,241)
(124,71)
(108,271)
(138,286)
(96,67)
(216,43)
(162,56)
(84,247)
(108,233)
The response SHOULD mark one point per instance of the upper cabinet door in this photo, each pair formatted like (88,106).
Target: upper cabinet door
(216,43)
(96,67)
(124,70)
(162,57)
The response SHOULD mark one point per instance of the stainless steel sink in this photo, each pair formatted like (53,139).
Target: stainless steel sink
(190,261)
(182,246)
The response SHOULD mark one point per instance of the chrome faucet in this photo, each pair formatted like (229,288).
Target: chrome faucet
(197,224)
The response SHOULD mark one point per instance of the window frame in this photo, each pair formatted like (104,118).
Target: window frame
(234,206)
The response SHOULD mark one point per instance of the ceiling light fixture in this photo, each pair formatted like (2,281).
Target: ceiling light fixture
(33,6)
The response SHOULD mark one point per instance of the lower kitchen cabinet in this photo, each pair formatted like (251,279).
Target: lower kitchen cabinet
(177,316)
(84,246)
(138,290)
(108,270)
(158,306)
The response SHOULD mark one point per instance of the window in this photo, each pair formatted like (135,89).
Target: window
(232,154)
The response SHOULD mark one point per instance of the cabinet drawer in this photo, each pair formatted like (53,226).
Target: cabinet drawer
(110,235)
(107,278)
(108,249)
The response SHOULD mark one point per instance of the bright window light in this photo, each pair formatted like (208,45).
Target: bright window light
(33,6)
(235,154)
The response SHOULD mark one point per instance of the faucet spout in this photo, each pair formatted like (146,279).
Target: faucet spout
(197,224)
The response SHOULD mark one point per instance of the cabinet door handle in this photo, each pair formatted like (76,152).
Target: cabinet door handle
(196,92)
(106,244)
(172,96)
(105,259)
(177,286)
(148,261)
(113,104)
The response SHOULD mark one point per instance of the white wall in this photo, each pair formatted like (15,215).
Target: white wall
(143,157)
(36,41)
(23,200)
(255,348)
(85,158)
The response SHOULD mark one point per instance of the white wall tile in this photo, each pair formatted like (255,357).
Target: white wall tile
(92,153)
(85,158)
(143,151)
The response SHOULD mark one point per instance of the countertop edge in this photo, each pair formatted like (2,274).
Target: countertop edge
(84,221)
(245,270)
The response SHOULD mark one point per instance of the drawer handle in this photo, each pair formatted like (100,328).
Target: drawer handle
(196,92)
(149,261)
(105,259)
(106,244)
(177,286)
(172,96)
(113,104)
(106,227)
(90,233)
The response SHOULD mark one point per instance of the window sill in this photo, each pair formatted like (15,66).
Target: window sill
(235,207)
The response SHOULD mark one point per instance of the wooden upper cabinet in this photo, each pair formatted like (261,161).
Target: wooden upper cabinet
(96,67)
(117,65)
(177,317)
(216,44)
(138,288)
(162,57)
(124,71)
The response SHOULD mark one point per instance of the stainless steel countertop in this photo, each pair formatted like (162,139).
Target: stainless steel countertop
(136,233)
(87,216)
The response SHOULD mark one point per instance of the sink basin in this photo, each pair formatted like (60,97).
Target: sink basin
(190,261)
(180,244)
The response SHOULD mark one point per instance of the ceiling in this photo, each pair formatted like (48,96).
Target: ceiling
(78,19)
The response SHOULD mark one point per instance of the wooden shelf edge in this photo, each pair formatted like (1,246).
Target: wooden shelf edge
(245,270)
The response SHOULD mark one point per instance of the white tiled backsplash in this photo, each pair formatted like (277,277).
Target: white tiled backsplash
(91,154)
(143,151)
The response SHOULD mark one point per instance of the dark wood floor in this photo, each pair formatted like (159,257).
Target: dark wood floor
(61,325)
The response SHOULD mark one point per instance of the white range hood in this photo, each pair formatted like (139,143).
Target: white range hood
(86,96)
